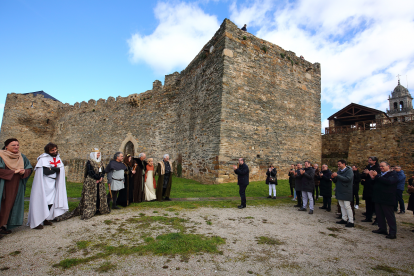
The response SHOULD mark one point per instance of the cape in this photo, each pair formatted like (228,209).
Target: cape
(17,212)
(38,209)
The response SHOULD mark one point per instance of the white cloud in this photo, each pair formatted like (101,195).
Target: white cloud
(361,45)
(182,32)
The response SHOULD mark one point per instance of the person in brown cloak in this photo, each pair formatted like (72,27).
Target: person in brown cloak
(164,172)
(15,169)
(139,177)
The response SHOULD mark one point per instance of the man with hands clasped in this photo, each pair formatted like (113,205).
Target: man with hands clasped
(344,179)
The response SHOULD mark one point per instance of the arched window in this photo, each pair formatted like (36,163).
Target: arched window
(395,105)
(401,105)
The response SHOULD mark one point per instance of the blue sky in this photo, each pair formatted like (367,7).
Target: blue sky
(81,50)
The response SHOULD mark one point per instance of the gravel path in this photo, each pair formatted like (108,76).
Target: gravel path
(305,244)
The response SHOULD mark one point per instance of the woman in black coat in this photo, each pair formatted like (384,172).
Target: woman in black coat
(325,187)
(271,173)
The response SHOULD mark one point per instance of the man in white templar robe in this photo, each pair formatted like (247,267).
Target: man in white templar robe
(48,198)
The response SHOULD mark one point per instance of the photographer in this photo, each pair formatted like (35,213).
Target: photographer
(271,180)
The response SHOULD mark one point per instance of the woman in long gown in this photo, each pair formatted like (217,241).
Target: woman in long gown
(150,185)
(93,198)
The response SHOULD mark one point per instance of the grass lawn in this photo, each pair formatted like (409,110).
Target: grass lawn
(187,188)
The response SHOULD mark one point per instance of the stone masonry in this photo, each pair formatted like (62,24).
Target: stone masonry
(240,96)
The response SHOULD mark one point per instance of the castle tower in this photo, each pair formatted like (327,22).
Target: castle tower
(400,102)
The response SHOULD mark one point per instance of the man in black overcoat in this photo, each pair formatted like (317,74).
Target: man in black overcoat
(384,197)
(367,182)
(242,180)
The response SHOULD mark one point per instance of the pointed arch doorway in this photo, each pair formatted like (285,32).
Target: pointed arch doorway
(129,145)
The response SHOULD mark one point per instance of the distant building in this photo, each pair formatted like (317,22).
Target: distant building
(401,102)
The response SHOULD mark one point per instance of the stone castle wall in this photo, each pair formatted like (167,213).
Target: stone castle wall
(271,106)
(393,143)
(233,100)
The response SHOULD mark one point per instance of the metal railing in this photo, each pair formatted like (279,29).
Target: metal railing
(369,125)
(397,110)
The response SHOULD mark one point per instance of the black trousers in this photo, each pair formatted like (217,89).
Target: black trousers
(317,192)
(242,193)
(299,198)
(291,190)
(400,200)
(385,215)
(356,196)
(370,207)
(327,202)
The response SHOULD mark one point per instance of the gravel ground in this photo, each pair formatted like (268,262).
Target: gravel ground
(305,244)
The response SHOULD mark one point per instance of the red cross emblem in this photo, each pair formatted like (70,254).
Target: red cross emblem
(54,162)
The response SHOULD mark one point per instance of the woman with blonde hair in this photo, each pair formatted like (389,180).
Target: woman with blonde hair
(150,184)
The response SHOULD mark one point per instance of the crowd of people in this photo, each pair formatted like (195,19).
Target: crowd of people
(132,179)
(129,180)
(383,191)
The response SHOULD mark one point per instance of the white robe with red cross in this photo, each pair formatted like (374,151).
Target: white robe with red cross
(47,190)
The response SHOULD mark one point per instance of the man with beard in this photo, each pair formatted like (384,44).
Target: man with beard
(367,182)
(298,185)
(48,198)
(139,177)
(164,171)
(15,169)
(115,174)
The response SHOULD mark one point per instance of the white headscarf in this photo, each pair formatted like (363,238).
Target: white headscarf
(93,155)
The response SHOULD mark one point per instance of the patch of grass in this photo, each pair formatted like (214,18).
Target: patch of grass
(333,235)
(249,271)
(141,214)
(385,268)
(249,218)
(176,223)
(166,244)
(105,267)
(282,55)
(267,240)
(155,212)
(264,49)
(334,229)
(407,223)
(170,209)
(82,244)
(209,222)
(15,253)
(244,37)
(108,222)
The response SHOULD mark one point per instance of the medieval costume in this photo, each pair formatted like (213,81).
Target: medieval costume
(115,174)
(12,188)
(48,198)
(125,196)
(139,180)
(164,172)
(150,185)
(93,191)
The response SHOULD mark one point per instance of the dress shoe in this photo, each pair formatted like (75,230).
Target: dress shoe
(39,227)
(323,207)
(339,217)
(47,223)
(115,207)
(379,231)
(341,222)
(297,205)
(412,231)
(274,197)
(328,209)
(366,220)
(364,213)
(269,197)
(391,236)
(310,212)
(402,212)
(349,224)
(241,206)
(302,209)
(167,199)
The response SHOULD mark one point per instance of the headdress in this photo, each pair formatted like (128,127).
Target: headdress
(94,154)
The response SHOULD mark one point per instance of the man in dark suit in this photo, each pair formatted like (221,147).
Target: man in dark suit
(384,197)
(242,180)
(367,182)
